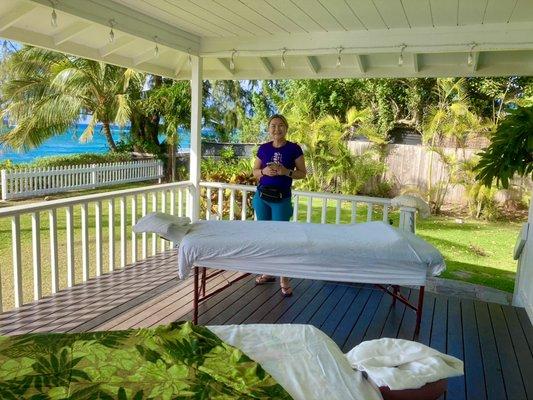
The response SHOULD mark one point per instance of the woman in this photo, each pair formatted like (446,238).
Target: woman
(277,163)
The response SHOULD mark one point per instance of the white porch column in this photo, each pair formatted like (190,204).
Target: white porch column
(523,289)
(196,144)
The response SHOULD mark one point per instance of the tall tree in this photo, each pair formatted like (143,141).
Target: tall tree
(45,92)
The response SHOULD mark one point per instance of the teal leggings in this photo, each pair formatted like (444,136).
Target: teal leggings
(268,211)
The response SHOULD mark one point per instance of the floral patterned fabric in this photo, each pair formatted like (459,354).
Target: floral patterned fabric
(178,361)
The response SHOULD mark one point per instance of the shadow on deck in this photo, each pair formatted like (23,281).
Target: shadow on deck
(495,341)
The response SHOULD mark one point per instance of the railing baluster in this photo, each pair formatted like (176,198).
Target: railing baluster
(354,212)
(208,204)
(133,234)
(369,208)
(309,209)
(220,203)
(154,236)
(36,247)
(144,210)
(180,203)
(232,205)
(84,242)
(386,214)
(123,237)
(172,202)
(244,205)
(17,268)
(52,216)
(70,245)
(324,212)
(98,236)
(163,242)
(111,229)
(338,212)
(295,208)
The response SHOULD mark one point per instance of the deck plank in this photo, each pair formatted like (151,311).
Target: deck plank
(524,357)
(514,387)
(474,377)
(491,362)
(454,347)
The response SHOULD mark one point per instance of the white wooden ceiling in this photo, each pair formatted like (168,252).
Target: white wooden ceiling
(273,39)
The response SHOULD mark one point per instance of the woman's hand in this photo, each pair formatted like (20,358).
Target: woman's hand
(270,170)
(282,170)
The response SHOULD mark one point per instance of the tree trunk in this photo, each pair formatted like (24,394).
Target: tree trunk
(109,137)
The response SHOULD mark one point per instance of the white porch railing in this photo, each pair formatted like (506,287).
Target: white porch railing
(84,239)
(30,182)
(78,239)
(236,205)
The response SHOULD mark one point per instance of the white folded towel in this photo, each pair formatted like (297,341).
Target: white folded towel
(167,226)
(402,364)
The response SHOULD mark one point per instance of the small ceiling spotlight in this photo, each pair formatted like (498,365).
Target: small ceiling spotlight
(283,62)
(112,24)
(156,48)
(470,58)
(400,58)
(339,61)
(232,60)
(53,20)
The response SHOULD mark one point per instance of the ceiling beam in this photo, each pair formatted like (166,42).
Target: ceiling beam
(80,50)
(267,65)
(128,21)
(360,63)
(11,17)
(313,64)
(182,59)
(224,62)
(146,55)
(416,62)
(119,43)
(71,31)
(490,37)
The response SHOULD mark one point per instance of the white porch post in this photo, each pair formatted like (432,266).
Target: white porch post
(195,154)
(523,289)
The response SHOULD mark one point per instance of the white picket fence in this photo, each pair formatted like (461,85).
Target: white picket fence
(31,182)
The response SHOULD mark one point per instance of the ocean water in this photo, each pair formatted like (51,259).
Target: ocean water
(68,143)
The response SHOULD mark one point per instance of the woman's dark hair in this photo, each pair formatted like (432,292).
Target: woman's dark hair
(280,117)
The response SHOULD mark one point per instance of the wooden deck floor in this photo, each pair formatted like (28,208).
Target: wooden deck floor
(496,342)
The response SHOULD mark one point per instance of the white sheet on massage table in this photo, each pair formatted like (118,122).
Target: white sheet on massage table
(301,358)
(372,252)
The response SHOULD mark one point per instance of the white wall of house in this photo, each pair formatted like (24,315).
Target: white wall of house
(524,282)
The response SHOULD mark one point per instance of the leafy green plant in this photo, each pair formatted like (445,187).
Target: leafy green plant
(510,151)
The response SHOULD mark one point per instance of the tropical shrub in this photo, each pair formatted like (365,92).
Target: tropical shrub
(510,151)
(234,171)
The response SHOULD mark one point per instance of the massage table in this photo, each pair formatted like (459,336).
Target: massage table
(372,252)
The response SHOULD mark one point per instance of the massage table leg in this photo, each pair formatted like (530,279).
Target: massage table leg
(196,296)
(419,308)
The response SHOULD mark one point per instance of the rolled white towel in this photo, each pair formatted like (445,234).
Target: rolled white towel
(167,226)
(408,200)
(402,364)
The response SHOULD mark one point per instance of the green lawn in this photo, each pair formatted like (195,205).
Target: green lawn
(477,252)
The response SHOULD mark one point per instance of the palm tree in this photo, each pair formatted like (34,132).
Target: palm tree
(451,118)
(45,92)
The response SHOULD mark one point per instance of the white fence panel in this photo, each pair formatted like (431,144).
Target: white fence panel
(31,182)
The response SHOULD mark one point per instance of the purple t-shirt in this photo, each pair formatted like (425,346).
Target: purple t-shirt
(285,155)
